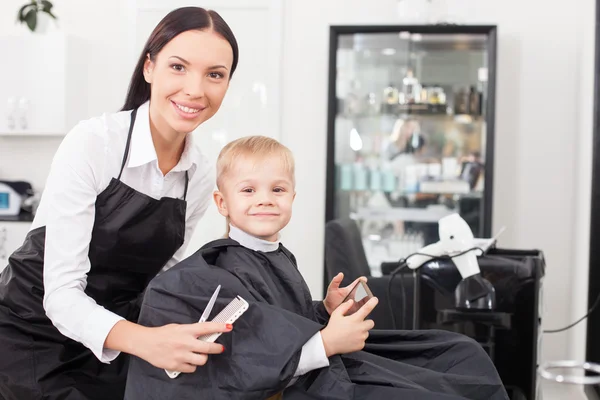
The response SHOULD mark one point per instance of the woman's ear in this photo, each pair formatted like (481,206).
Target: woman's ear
(148,69)
(220,203)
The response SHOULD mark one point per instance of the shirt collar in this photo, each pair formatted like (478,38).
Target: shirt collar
(142,149)
(252,242)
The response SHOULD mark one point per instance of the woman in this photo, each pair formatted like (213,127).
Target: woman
(123,196)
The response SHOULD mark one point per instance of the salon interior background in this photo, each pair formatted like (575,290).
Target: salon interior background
(543,122)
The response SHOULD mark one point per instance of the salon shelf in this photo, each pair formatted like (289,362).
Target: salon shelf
(429,214)
(458,118)
(471,194)
(23,217)
(22,134)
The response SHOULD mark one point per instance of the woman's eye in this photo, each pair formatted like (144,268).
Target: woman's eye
(178,67)
(216,75)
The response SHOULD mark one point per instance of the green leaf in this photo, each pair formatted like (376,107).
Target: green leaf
(21,14)
(46,6)
(31,19)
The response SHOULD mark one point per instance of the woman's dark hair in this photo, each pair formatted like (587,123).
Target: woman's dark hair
(176,22)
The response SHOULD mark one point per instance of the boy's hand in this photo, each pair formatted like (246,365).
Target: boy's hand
(336,294)
(347,334)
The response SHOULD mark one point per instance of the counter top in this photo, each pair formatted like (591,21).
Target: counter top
(23,217)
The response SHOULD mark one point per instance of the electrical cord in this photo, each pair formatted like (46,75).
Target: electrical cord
(590,311)
(404,264)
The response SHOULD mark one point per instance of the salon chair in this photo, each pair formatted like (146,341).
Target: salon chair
(515,345)
(344,252)
(517,276)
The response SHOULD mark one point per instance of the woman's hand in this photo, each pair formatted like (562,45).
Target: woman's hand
(172,347)
(346,334)
(336,294)
(177,348)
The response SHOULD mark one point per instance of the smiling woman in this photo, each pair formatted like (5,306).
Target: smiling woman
(186,93)
(184,20)
(116,210)
(184,70)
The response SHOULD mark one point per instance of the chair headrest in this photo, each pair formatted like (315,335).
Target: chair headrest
(344,251)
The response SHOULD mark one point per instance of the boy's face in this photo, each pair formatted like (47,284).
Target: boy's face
(257,196)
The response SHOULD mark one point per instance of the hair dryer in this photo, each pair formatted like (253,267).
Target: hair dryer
(457,242)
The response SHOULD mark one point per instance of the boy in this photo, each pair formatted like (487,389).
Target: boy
(281,344)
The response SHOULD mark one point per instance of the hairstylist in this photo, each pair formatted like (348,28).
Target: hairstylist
(123,196)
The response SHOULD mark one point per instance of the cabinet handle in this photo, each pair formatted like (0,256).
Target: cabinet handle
(11,111)
(23,111)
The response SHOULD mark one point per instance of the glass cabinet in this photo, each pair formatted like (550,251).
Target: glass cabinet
(410,132)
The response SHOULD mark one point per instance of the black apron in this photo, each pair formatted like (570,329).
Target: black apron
(133,237)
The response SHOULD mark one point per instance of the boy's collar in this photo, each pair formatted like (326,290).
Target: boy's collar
(252,242)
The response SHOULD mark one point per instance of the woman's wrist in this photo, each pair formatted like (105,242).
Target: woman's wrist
(127,337)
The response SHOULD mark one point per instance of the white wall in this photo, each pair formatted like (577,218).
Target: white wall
(543,129)
(543,132)
(583,179)
(103,25)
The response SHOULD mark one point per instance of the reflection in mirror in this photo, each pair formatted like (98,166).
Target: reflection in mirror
(410,135)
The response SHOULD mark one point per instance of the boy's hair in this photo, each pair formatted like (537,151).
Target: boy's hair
(256,147)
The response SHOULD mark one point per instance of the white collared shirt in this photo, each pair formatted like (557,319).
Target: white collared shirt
(313,354)
(88,158)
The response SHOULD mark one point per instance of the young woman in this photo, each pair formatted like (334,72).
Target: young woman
(123,196)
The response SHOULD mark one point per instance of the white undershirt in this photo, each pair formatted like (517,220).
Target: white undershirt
(89,156)
(313,354)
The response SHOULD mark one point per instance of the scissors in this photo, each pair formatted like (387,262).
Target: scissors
(210,305)
(203,318)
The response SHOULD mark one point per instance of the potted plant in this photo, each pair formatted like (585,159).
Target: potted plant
(36,15)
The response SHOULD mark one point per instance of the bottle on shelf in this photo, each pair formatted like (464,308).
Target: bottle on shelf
(346,177)
(375,179)
(373,106)
(360,177)
(388,178)
(390,98)
(475,101)
(436,95)
(462,101)
(411,88)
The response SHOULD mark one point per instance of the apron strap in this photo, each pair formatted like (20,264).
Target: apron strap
(126,155)
(187,179)
(133,114)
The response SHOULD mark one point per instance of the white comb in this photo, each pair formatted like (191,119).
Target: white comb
(228,315)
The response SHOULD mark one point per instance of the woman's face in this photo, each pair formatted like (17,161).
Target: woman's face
(189,79)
